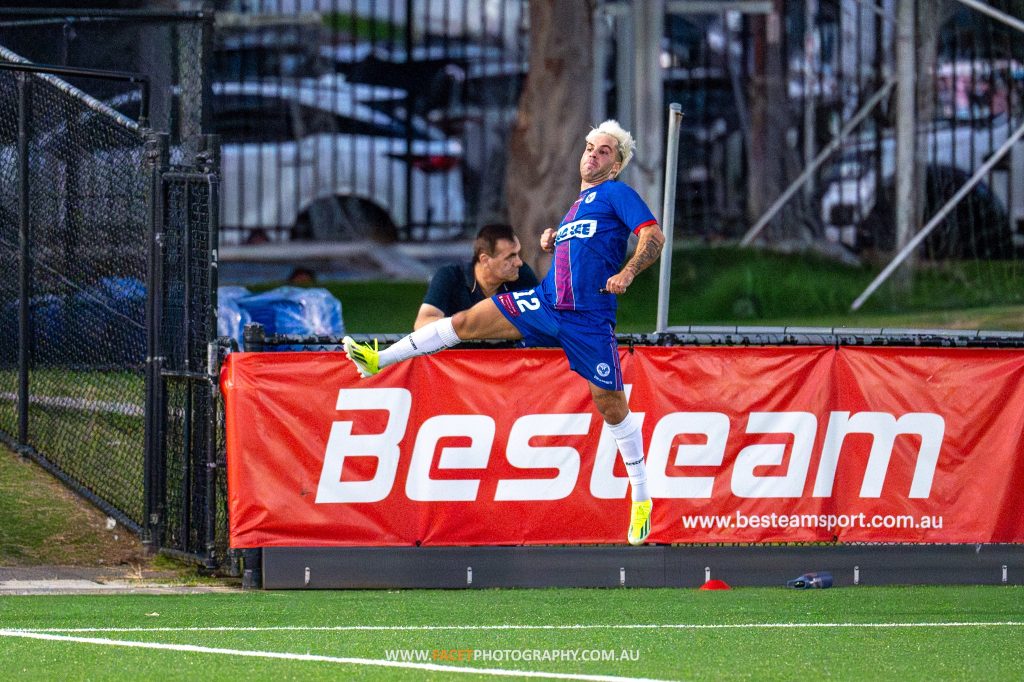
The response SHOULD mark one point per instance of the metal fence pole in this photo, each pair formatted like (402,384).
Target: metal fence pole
(906,185)
(410,103)
(24,265)
(668,212)
(154,461)
(209,163)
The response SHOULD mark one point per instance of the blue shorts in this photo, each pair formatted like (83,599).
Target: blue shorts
(588,338)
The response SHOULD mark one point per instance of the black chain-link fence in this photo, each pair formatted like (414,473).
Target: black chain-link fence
(73,208)
(105,341)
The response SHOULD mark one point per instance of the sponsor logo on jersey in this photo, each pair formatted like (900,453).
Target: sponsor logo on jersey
(578,229)
(509,304)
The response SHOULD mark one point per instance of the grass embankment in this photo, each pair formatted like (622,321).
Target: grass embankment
(42,522)
(731,286)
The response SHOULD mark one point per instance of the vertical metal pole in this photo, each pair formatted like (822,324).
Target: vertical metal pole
(209,164)
(906,115)
(810,17)
(648,19)
(24,265)
(155,461)
(625,48)
(598,98)
(149,455)
(410,115)
(188,335)
(668,212)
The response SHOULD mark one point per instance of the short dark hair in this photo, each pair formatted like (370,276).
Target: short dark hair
(487,239)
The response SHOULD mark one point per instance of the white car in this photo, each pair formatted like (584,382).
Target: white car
(851,189)
(468,90)
(310,159)
(307,158)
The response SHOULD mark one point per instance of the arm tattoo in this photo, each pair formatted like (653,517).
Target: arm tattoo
(647,251)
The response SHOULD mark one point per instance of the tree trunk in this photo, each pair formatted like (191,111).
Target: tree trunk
(929,23)
(548,136)
(769,151)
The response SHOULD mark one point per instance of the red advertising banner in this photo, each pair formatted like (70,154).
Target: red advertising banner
(503,447)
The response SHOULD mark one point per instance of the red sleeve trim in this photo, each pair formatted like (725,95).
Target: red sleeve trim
(636,230)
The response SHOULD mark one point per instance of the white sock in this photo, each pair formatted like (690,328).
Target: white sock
(427,339)
(631,449)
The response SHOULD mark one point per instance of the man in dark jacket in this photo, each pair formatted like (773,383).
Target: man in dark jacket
(496,268)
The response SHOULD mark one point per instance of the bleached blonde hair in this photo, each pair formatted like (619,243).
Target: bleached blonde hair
(626,143)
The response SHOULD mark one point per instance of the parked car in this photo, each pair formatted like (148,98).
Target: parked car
(855,198)
(328,166)
(468,90)
(849,196)
(309,159)
(978,227)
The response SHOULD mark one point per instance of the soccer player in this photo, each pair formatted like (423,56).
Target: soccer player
(574,307)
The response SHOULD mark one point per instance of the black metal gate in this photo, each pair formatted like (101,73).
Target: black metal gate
(182,467)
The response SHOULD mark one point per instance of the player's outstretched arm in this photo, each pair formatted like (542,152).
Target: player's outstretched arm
(427,314)
(652,239)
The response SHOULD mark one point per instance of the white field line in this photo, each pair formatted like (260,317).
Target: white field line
(580,626)
(319,659)
(81,404)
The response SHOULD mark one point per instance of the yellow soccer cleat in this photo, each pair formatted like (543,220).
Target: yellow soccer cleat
(639,522)
(362,356)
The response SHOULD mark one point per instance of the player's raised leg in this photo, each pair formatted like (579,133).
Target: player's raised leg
(482,321)
(625,427)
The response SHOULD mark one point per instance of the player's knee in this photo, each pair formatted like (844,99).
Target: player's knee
(615,413)
(462,324)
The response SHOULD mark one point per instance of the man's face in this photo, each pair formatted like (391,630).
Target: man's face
(505,262)
(600,159)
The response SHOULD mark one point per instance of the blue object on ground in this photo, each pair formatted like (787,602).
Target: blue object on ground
(295,310)
(49,331)
(108,322)
(817,579)
(231,317)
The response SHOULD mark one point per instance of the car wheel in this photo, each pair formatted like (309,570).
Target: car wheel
(978,227)
(345,219)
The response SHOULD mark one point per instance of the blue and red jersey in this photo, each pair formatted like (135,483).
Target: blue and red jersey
(590,246)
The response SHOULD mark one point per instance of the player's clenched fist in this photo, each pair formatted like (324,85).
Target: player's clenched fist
(547,240)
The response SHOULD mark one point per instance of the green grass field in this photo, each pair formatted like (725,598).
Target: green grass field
(854,633)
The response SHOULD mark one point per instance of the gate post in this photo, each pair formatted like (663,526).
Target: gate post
(154,459)
(24,259)
(208,162)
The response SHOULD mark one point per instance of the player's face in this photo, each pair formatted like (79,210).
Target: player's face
(600,159)
(505,262)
